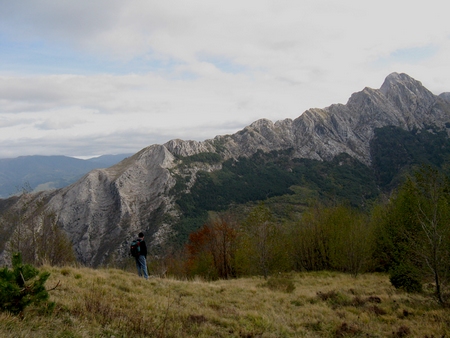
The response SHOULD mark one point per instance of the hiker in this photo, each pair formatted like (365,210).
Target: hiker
(139,252)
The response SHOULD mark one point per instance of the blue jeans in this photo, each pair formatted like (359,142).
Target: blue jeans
(141,264)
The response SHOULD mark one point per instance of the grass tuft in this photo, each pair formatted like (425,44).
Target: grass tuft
(348,330)
(403,331)
(280,283)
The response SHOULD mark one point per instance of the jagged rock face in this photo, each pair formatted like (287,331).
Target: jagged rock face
(324,133)
(445,96)
(188,148)
(261,135)
(107,207)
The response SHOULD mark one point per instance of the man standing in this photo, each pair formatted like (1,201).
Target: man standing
(141,257)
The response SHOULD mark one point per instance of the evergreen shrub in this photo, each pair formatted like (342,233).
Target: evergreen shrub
(404,277)
(22,286)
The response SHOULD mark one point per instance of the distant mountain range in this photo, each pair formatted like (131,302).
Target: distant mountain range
(47,172)
(352,152)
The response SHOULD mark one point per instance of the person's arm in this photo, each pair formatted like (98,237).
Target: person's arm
(143,249)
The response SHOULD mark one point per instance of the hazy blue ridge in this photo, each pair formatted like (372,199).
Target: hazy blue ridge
(47,172)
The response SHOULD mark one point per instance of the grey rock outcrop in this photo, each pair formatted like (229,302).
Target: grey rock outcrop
(106,206)
(445,96)
(188,148)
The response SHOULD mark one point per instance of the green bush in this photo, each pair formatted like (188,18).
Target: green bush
(22,286)
(404,277)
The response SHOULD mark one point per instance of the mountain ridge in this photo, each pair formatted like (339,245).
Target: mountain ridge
(38,172)
(104,209)
(401,101)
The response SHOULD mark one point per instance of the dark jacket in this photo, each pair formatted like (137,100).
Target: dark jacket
(143,248)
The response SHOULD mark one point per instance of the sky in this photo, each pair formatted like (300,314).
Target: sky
(91,77)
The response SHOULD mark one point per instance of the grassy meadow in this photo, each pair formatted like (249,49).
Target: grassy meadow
(116,303)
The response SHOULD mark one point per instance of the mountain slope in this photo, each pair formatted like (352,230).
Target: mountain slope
(154,189)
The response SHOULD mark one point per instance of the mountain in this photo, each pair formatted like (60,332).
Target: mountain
(47,172)
(342,151)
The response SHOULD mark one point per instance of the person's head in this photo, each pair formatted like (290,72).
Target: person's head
(141,235)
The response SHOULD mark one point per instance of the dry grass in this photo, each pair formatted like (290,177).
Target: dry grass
(114,303)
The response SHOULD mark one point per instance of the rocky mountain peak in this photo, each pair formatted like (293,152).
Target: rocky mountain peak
(395,82)
(409,96)
(261,124)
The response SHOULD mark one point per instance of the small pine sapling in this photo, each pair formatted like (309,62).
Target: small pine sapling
(21,286)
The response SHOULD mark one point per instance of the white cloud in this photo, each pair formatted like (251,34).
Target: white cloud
(148,71)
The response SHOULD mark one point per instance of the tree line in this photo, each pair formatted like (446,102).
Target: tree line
(406,235)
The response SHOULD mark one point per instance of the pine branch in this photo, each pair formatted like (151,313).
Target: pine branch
(54,288)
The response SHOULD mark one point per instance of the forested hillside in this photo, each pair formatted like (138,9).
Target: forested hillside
(264,176)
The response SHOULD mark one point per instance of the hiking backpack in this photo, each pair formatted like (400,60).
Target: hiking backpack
(135,248)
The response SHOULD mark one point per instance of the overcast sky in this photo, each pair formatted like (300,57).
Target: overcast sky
(91,77)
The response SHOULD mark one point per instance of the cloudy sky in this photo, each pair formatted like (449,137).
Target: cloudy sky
(91,77)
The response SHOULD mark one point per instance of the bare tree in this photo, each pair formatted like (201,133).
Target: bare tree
(432,191)
(36,234)
(260,230)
